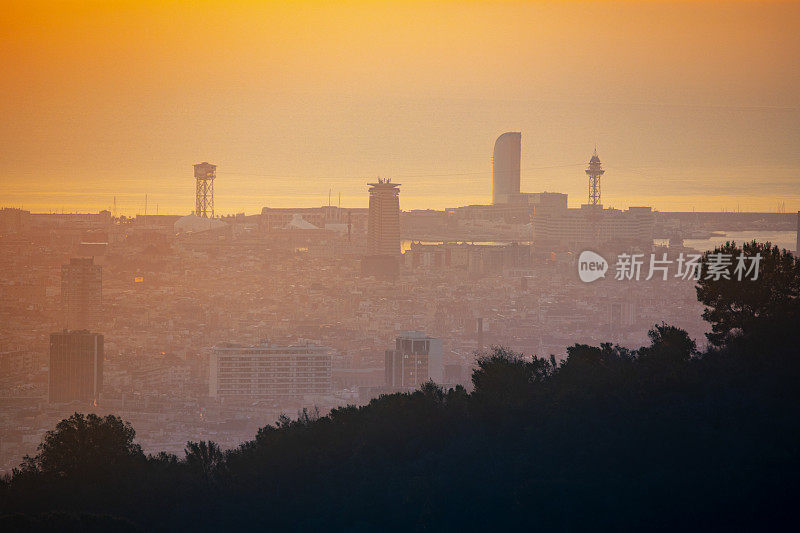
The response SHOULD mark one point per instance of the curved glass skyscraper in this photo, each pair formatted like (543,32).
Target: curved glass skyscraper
(505,166)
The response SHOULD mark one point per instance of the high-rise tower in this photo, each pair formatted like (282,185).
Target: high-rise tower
(383,231)
(594,171)
(81,293)
(506,166)
(76,366)
(204,174)
(415,359)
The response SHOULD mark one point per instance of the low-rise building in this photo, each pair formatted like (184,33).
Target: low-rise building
(560,228)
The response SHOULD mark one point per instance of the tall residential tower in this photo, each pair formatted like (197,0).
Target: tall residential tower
(76,366)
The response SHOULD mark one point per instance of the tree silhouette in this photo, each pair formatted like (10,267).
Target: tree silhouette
(86,445)
(668,344)
(432,391)
(737,307)
(206,458)
(506,377)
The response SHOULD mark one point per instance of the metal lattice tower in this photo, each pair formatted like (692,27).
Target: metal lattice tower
(204,174)
(594,172)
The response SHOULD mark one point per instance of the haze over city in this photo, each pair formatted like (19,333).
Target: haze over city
(692,104)
(399,266)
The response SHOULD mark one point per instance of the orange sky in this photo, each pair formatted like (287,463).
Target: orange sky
(691,104)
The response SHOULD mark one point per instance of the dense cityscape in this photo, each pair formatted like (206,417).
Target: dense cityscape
(208,326)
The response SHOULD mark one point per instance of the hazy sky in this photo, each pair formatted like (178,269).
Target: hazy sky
(691,105)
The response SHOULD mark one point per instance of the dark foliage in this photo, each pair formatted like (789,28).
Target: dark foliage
(85,445)
(736,306)
(65,523)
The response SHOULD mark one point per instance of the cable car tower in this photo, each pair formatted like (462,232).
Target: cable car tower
(204,174)
(594,171)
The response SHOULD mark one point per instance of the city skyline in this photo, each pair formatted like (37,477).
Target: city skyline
(366,265)
(295,101)
(134,204)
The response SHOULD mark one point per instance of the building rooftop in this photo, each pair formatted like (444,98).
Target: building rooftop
(384,183)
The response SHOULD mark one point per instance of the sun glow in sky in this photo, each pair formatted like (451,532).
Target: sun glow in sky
(691,104)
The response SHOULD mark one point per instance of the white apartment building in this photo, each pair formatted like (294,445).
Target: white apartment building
(269,371)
